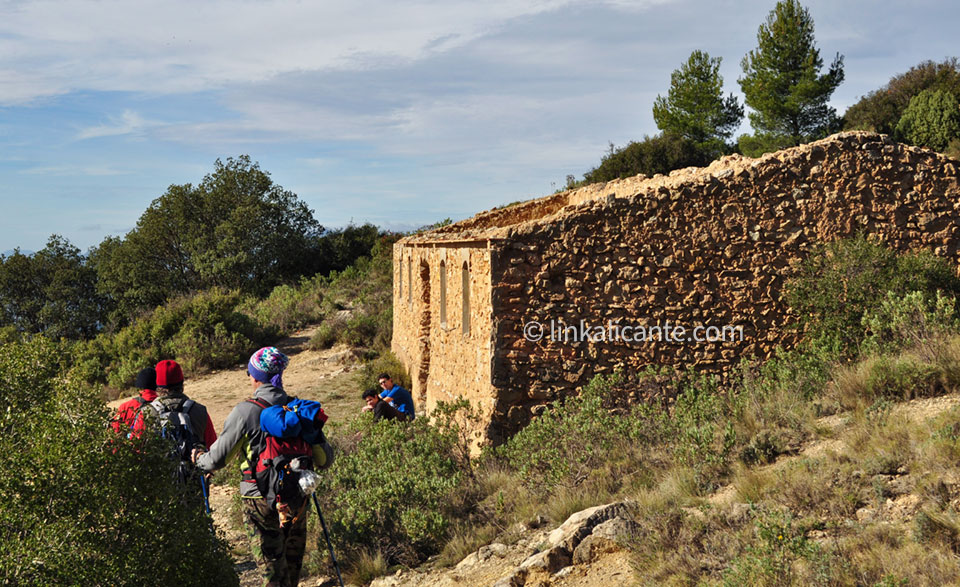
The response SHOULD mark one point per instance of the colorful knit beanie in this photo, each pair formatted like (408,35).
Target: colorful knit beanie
(267,365)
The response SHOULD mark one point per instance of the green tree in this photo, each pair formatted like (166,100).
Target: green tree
(52,291)
(237,229)
(881,109)
(782,82)
(695,108)
(932,119)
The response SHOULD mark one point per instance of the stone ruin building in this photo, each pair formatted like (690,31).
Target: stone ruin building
(702,246)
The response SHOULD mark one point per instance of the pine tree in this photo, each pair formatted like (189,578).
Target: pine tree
(695,108)
(782,82)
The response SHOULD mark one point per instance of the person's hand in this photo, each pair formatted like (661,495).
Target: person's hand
(195,454)
(389,400)
(366,409)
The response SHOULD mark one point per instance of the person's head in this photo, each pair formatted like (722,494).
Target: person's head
(371,397)
(385,381)
(147,379)
(169,378)
(267,365)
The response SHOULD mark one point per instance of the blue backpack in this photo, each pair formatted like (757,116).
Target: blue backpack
(291,431)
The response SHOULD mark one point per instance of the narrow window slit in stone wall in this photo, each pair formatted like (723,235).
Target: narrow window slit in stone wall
(465,289)
(443,294)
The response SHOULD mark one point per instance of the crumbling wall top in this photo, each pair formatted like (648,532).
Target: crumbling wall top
(502,222)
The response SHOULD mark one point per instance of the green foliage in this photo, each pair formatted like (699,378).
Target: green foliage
(659,154)
(392,489)
(235,230)
(695,108)
(932,119)
(566,442)
(881,109)
(843,280)
(703,427)
(757,144)
(53,292)
(82,505)
(782,82)
(778,545)
(908,319)
(203,331)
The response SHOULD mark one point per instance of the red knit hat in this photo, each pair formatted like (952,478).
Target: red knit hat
(169,373)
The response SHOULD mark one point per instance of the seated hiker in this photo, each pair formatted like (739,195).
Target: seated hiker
(396,396)
(277,542)
(380,408)
(127,421)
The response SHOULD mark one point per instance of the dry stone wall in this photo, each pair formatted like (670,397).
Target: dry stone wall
(702,247)
(440,353)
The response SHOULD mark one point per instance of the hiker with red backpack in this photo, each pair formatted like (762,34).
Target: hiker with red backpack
(127,421)
(279,444)
(163,383)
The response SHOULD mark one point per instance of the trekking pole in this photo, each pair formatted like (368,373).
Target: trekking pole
(206,494)
(326,535)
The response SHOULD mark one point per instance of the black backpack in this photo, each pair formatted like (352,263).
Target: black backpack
(175,426)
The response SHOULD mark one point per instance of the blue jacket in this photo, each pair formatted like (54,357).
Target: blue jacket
(401,400)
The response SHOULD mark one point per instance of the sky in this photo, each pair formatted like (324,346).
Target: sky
(396,113)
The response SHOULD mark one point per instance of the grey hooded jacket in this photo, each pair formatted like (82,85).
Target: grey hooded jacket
(243,438)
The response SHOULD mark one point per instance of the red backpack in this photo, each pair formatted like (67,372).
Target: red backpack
(279,465)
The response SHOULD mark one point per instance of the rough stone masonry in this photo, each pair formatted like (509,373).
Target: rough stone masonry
(702,246)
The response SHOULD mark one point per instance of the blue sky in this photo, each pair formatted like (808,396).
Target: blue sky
(396,113)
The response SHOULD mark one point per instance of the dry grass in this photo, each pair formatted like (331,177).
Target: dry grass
(366,567)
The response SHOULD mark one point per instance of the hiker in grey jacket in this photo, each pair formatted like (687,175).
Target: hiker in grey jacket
(277,550)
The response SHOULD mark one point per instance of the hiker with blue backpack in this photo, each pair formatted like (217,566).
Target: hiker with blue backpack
(279,442)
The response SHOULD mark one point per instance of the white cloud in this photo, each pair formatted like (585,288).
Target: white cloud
(127,123)
(186,46)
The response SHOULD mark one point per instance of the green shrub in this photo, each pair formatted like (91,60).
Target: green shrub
(82,505)
(288,308)
(392,488)
(908,319)
(843,280)
(328,333)
(202,331)
(779,544)
(932,119)
(566,443)
(658,154)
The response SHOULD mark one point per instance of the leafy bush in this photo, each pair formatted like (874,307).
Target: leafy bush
(328,333)
(932,119)
(200,331)
(392,489)
(881,109)
(779,543)
(908,319)
(82,505)
(566,442)
(659,154)
(843,280)
(287,307)
(387,363)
